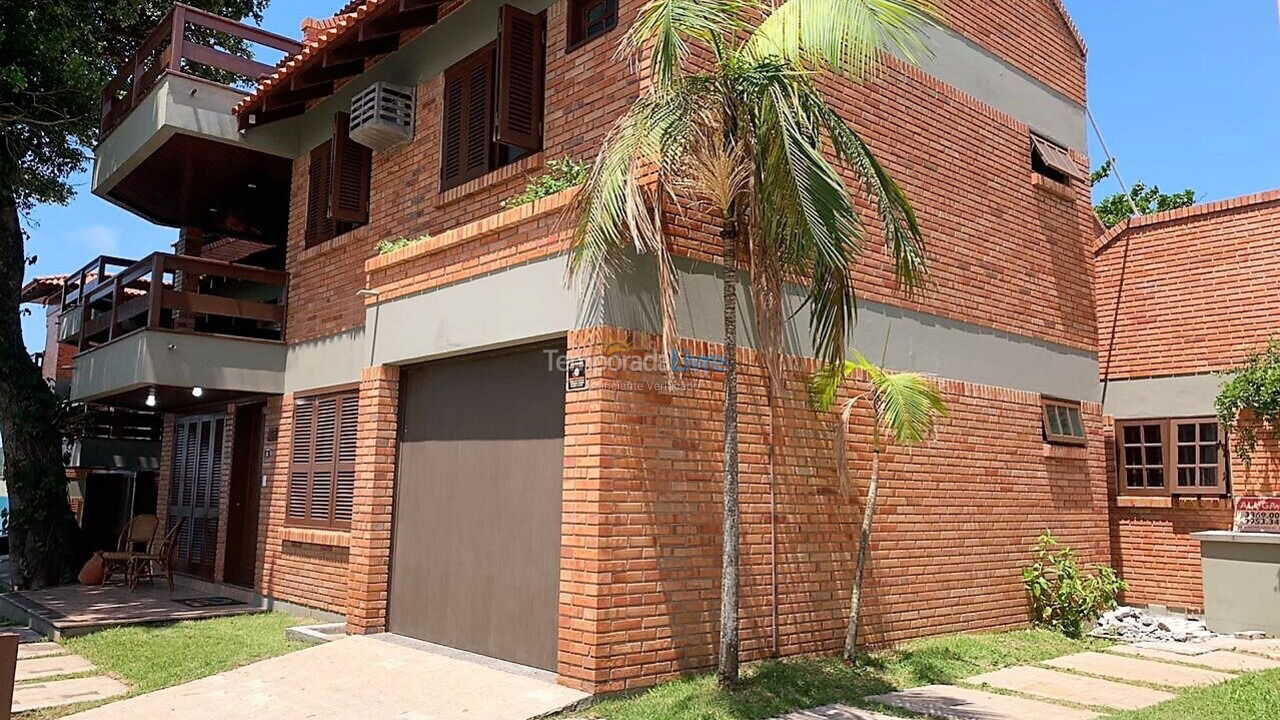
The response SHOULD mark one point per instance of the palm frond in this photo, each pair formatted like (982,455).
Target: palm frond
(907,404)
(844,36)
(667,30)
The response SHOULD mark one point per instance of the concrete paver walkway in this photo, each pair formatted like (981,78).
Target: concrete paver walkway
(1224,660)
(1054,685)
(1135,670)
(959,703)
(40,695)
(836,712)
(355,677)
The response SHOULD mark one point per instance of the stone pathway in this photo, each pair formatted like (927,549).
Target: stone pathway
(1075,687)
(41,678)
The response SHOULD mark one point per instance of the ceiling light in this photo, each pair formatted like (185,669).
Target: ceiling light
(151,398)
(197,391)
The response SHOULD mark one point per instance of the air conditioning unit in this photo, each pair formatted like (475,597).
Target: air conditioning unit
(382,116)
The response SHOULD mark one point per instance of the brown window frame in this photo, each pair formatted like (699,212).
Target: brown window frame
(577,33)
(1049,405)
(1169,465)
(302,474)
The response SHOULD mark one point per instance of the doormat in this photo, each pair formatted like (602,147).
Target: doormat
(208,602)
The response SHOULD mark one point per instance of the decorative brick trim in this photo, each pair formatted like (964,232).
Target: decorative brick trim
(523,165)
(1186,213)
(473,230)
(1065,452)
(370,554)
(312,536)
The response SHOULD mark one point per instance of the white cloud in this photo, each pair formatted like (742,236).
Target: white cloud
(99,239)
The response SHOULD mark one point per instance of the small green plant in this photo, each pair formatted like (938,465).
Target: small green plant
(560,175)
(1063,596)
(1254,386)
(390,246)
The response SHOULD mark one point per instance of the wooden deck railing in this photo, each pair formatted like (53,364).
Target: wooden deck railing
(173,292)
(168,45)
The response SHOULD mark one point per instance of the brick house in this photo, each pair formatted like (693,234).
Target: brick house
(1181,296)
(389,437)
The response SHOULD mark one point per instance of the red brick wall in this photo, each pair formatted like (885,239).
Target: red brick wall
(640,562)
(1198,289)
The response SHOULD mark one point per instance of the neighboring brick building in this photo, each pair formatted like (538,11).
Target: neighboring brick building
(388,437)
(1182,296)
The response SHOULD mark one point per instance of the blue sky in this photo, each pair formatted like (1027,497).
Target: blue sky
(1186,92)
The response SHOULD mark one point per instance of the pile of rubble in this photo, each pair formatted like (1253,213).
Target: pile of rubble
(1130,624)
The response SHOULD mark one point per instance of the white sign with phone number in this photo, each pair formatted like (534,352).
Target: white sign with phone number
(1258,515)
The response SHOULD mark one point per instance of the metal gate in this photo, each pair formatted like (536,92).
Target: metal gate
(194,489)
(475,561)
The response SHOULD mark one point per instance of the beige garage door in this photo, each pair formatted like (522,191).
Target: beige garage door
(475,557)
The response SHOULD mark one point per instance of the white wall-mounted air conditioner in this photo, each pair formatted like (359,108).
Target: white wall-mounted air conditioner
(382,116)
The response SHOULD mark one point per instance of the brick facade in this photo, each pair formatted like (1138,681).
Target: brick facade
(1185,292)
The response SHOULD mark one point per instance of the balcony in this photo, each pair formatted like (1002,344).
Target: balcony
(172,331)
(169,148)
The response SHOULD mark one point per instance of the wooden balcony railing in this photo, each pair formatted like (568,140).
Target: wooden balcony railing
(174,292)
(171,48)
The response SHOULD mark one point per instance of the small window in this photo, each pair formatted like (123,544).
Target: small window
(322,468)
(1062,422)
(1052,161)
(588,20)
(1179,457)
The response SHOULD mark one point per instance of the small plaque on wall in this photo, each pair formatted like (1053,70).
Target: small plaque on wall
(576,375)
(1258,515)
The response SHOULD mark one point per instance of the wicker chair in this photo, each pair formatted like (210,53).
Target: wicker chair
(135,539)
(144,565)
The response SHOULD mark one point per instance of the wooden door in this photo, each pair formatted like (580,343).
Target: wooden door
(475,561)
(194,490)
(245,495)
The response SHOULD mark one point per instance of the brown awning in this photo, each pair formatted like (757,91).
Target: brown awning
(1055,157)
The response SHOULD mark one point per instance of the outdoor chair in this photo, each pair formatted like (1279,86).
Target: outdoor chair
(135,539)
(157,561)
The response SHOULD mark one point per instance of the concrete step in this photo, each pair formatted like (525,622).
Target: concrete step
(1128,669)
(955,703)
(34,696)
(1223,660)
(1065,687)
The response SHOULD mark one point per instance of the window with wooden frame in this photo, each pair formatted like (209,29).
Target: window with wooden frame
(1062,422)
(339,175)
(493,101)
(322,471)
(1181,456)
(588,20)
(1053,161)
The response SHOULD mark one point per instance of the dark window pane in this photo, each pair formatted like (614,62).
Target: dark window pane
(1186,433)
(1209,455)
(1209,432)
(1208,477)
(1154,455)
(1151,433)
(1132,435)
(1133,478)
(1133,456)
(1077,424)
(1051,415)
(1155,477)
(1186,454)
(1186,477)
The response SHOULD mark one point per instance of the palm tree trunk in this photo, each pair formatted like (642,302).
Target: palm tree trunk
(43,537)
(727,672)
(864,544)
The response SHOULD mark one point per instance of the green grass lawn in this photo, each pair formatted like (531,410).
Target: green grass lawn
(775,687)
(148,658)
(1251,697)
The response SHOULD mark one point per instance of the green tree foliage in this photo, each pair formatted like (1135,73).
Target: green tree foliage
(1254,386)
(55,58)
(1065,596)
(1114,209)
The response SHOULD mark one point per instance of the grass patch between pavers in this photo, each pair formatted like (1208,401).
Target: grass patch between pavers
(151,657)
(775,687)
(1255,696)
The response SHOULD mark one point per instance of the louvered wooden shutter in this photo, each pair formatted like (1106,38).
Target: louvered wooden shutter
(522,53)
(323,471)
(352,171)
(467,125)
(320,227)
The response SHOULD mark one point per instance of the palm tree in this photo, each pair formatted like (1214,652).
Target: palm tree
(732,123)
(905,405)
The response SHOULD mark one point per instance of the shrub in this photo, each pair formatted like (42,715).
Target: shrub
(560,175)
(1063,596)
(1254,386)
(390,246)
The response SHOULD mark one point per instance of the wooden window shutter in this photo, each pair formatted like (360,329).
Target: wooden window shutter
(352,171)
(345,464)
(467,127)
(522,54)
(320,226)
(322,475)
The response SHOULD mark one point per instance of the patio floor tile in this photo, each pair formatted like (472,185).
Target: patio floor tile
(1054,685)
